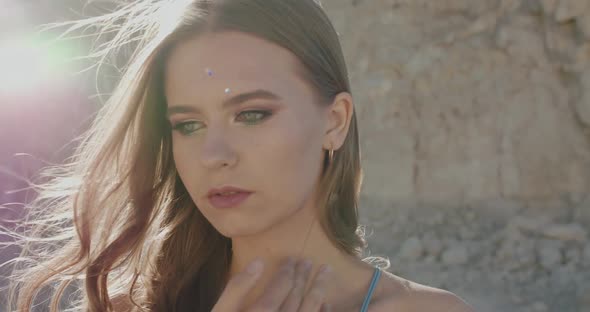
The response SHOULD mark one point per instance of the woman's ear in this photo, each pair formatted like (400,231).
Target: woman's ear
(339,115)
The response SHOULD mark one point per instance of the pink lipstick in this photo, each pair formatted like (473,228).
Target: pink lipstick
(227,197)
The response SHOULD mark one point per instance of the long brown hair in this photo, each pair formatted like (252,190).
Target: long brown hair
(117,219)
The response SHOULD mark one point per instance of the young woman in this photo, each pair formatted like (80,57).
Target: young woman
(232,137)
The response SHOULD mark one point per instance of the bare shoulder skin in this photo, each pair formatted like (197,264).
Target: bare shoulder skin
(392,294)
(401,295)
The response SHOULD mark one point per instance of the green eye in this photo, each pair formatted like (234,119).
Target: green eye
(186,128)
(253,116)
(249,117)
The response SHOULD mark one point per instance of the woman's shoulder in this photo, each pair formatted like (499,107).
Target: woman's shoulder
(402,295)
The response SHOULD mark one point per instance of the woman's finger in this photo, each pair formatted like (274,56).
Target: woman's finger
(316,296)
(295,297)
(278,289)
(236,289)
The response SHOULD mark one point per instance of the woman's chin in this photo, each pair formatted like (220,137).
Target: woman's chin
(235,231)
(241,230)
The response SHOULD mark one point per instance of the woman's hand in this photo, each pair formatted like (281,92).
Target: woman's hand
(284,293)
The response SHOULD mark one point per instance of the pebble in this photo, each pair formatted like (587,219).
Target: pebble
(528,224)
(412,249)
(549,254)
(566,232)
(456,254)
(433,246)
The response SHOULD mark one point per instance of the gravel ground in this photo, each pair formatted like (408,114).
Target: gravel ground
(511,261)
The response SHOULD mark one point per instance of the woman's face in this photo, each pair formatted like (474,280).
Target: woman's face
(269,144)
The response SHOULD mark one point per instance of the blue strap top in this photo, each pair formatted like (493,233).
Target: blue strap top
(374,280)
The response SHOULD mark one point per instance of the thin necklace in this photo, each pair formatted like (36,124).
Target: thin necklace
(306,237)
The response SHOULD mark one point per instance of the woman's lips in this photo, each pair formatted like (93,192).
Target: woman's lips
(228,201)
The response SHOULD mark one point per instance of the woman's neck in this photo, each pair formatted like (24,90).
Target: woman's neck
(301,236)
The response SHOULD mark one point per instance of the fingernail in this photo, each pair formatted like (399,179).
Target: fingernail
(255,267)
(325,269)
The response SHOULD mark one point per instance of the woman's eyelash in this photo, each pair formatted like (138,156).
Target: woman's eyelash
(262,115)
(180,127)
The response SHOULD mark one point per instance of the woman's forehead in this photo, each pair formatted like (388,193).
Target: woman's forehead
(230,55)
(216,66)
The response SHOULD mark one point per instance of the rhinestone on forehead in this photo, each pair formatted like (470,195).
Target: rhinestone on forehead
(227,90)
(209,72)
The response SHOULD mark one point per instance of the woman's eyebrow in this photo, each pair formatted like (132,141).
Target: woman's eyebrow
(234,100)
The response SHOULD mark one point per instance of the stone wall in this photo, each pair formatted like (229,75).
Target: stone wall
(474,119)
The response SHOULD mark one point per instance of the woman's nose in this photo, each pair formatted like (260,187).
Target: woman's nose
(216,150)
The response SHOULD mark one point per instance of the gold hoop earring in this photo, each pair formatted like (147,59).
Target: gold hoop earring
(331,156)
